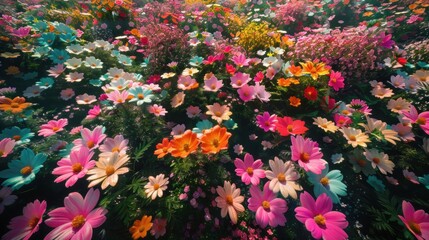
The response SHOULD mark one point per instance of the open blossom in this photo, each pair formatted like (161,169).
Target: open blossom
(24,226)
(67,94)
(246,93)
(308,154)
(156,186)
(336,81)
(319,219)
(422,119)
(52,127)
(85,99)
(417,222)
(212,84)
(269,209)
(240,79)
(178,99)
(399,105)
(355,137)
(183,145)
(214,140)
(267,122)
(159,227)
(283,177)
(249,170)
(323,123)
(141,227)
(90,139)
(219,112)
(112,145)
(329,183)
(118,97)
(380,160)
(229,200)
(6,146)
(107,170)
(77,218)
(157,110)
(186,83)
(287,126)
(94,112)
(162,148)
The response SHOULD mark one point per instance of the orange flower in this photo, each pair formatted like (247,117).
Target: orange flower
(284,82)
(15,106)
(183,145)
(294,101)
(162,148)
(315,70)
(214,140)
(12,70)
(295,70)
(141,227)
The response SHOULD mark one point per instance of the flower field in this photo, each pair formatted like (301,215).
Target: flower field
(214,119)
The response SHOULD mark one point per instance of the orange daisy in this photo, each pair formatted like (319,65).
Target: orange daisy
(295,70)
(315,70)
(214,140)
(15,105)
(294,101)
(141,227)
(183,145)
(162,148)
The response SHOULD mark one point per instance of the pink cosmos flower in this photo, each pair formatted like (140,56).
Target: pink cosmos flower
(85,99)
(270,73)
(118,97)
(336,81)
(193,111)
(239,79)
(240,60)
(74,167)
(56,70)
(269,209)
(249,170)
(7,198)
(94,112)
(341,120)
(77,218)
(416,221)
(404,131)
(90,139)
(246,93)
(411,176)
(212,84)
(24,226)
(52,127)
(6,146)
(421,119)
(67,94)
(261,93)
(259,76)
(267,121)
(308,154)
(111,145)
(21,32)
(186,83)
(157,110)
(319,218)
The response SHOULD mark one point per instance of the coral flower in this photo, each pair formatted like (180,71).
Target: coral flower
(283,177)
(141,227)
(269,209)
(267,122)
(287,126)
(249,170)
(6,146)
(162,148)
(107,170)
(15,105)
(310,93)
(246,93)
(336,81)
(157,110)
(319,218)
(156,186)
(294,101)
(178,99)
(158,227)
(52,127)
(295,70)
(90,139)
(183,145)
(214,140)
(77,218)
(416,221)
(74,167)
(315,70)
(219,112)
(308,154)
(24,226)
(229,200)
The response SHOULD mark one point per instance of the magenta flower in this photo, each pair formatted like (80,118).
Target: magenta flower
(52,127)
(249,170)
(90,139)
(246,93)
(94,112)
(21,32)
(239,79)
(240,60)
(319,218)
(22,227)
(421,119)
(74,167)
(416,221)
(308,154)
(336,80)
(267,122)
(117,97)
(6,146)
(269,209)
(77,218)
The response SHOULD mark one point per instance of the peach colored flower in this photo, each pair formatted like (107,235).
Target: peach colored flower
(107,169)
(219,112)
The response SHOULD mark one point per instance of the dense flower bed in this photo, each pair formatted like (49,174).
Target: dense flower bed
(214,119)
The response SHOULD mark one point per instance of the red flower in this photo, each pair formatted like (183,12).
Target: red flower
(310,93)
(230,69)
(287,126)
(401,60)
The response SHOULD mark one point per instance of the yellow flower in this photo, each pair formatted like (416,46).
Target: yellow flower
(315,70)
(323,123)
(107,170)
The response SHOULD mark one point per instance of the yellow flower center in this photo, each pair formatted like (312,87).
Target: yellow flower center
(266,205)
(26,170)
(16,137)
(32,223)
(249,170)
(421,121)
(78,221)
(229,199)
(215,143)
(140,96)
(110,170)
(77,167)
(324,181)
(239,82)
(415,227)
(55,129)
(186,147)
(90,144)
(290,128)
(376,160)
(115,149)
(304,157)
(320,220)
(352,138)
(14,105)
(324,125)
(156,186)
(218,114)
(281,177)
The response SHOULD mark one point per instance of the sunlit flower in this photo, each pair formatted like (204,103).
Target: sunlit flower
(378,129)
(93,63)
(52,127)
(189,71)
(214,140)
(287,126)
(93,112)
(329,183)
(267,122)
(308,155)
(381,92)
(239,79)
(398,105)
(118,97)
(85,99)
(156,186)
(283,177)
(249,170)
(162,148)
(111,145)
(355,137)
(183,145)
(107,170)
(315,70)
(141,227)
(380,160)
(323,123)
(246,93)
(157,110)
(416,221)
(74,77)
(219,112)
(90,139)
(212,84)
(73,63)
(186,83)
(178,99)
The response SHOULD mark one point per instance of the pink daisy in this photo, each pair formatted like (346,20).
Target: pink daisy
(240,60)
(319,218)
(421,119)
(269,209)
(246,93)
(308,154)
(249,170)
(336,81)
(74,167)
(77,219)
(52,127)
(157,110)
(22,227)
(94,112)
(212,84)
(6,146)
(416,221)
(56,70)
(90,139)
(239,79)
(267,121)
(117,97)
(111,145)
